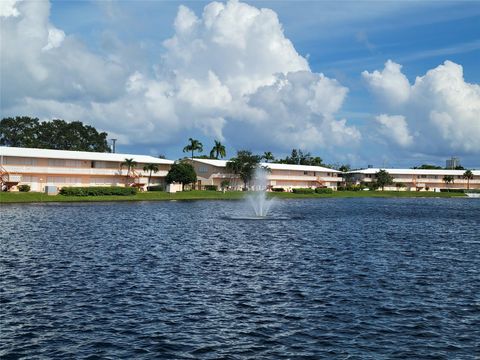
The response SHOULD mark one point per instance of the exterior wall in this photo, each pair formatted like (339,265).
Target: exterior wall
(422,182)
(208,174)
(41,172)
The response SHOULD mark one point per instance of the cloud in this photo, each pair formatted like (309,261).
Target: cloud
(230,73)
(390,85)
(441,109)
(7,8)
(40,61)
(395,128)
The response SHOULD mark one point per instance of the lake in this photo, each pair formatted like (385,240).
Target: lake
(323,278)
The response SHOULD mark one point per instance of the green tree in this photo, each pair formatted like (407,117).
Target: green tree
(218,150)
(56,134)
(383,178)
(130,165)
(193,146)
(428,167)
(224,184)
(20,131)
(183,173)
(348,179)
(468,175)
(150,168)
(447,179)
(244,165)
(268,156)
(399,185)
(298,157)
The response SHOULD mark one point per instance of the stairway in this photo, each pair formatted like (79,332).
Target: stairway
(7,180)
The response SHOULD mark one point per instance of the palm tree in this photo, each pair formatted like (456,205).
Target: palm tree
(151,168)
(468,175)
(447,179)
(130,164)
(268,156)
(194,145)
(218,150)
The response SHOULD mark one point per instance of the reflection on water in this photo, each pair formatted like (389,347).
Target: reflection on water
(330,278)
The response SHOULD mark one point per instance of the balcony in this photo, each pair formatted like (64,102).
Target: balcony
(77,171)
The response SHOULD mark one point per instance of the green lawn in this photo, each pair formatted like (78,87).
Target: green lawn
(31,197)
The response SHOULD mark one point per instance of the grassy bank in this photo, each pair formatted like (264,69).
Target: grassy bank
(33,197)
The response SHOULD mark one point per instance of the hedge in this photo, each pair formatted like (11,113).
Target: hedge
(351,187)
(211,187)
(453,190)
(303,191)
(98,191)
(155,188)
(279,189)
(24,188)
(323,191)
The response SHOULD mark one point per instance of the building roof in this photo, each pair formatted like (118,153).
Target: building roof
(273,166)
(213,162)
(79,155)
(372,171)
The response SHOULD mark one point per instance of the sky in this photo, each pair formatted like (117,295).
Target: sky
(382,83)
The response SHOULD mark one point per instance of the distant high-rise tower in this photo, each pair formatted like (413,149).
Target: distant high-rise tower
(453,163)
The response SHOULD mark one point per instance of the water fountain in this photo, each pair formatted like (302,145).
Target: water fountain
(258,200)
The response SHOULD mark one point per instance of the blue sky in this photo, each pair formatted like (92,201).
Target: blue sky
(340,39)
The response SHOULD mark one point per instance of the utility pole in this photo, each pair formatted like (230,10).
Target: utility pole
(113,145)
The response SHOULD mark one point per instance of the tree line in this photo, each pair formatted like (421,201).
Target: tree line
(296,157)
(24,131)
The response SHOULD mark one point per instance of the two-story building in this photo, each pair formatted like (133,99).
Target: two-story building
(39,168)
(419,179)
(286,176)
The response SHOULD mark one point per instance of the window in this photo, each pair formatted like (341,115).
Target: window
(103,180)
(203,169)
(14,160)
(64,163)
(305,173)
(63,180)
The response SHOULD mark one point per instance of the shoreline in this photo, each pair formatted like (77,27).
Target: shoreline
(31,197)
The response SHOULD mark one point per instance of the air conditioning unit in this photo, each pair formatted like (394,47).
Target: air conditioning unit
(51,190)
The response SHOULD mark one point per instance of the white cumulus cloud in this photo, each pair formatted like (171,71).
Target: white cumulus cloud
(395,128)
(390,84)
(228,73)
(441,109)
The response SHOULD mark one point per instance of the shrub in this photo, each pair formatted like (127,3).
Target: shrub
(24,188)
(303,191)
(211,187)
(98,191)
(225,184)
(323,191)
(279,189)
(155,188)
(453,190)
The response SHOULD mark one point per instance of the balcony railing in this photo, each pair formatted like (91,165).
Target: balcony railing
(77,171)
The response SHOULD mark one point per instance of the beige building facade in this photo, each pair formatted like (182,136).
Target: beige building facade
(41,168)
(419,179)
(286,176)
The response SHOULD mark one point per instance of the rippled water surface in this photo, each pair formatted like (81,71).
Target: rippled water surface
(330,278)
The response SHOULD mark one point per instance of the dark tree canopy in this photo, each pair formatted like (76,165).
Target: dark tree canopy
(298,157)
(383,178)
(56,134)
(183,173)
(428,167)
(244,165)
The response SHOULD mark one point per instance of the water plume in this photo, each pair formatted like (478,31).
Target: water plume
(258,200)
